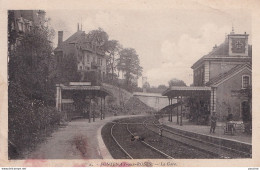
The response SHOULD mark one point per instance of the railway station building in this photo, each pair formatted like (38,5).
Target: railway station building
(224,75)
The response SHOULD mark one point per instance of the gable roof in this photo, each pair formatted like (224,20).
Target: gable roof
(74,38)
(79,38)
(225,76)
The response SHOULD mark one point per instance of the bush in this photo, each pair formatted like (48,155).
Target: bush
(26,121)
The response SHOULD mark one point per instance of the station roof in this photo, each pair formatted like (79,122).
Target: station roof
(175,91)
(98,91)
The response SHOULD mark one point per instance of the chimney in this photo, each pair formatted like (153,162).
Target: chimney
(60,37)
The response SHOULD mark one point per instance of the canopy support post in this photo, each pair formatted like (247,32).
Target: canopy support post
(171,111)
(58,97)
(89,115)
(104,107)
(101,109)
(177,110)
(169,107)
(181,112)
(94,112)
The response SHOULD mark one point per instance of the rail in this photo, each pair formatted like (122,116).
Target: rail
(195,139)
(119,144)
(145,143)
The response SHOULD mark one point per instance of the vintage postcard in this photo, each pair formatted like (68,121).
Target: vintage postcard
(129,83)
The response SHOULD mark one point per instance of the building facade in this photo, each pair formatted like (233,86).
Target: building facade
(227,70)
(91,60)
(21,22)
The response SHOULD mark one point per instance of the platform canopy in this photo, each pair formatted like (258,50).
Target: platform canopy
(176,91)
(98,91)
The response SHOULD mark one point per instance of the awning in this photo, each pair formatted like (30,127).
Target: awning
(175,91)
(98,91)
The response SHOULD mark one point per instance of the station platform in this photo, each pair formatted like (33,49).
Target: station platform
(239,136)
(79,139)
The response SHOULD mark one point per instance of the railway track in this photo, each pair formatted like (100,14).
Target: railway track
(166,146)
(124,150)
(150,146)
(211,148)
(118,144)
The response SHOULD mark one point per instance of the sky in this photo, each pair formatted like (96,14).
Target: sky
(167,41)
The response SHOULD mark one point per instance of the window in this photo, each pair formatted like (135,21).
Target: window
(245,81)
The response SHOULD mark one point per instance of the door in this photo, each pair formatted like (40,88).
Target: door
(245,111)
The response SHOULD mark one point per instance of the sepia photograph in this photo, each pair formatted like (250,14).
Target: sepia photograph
(137,85)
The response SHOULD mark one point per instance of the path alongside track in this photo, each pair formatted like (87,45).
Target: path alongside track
(78,140)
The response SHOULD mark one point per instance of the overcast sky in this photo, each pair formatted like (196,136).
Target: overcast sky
(168,41)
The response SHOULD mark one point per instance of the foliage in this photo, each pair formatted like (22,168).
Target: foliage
(118,59)
(31,85)
(12,34)
(162,86)
(146,85)
(29,65)
(176,82)
(26,121)
(129,63)
(67,70)
(113,48)
(154,89)
(98,39)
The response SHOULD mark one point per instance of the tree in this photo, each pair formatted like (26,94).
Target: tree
(112,48)
(67,70)
(176,82)
(100,42)
(129,63)
(146,85)
(98,39)
(162,86)
(31,89)
(29,64)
